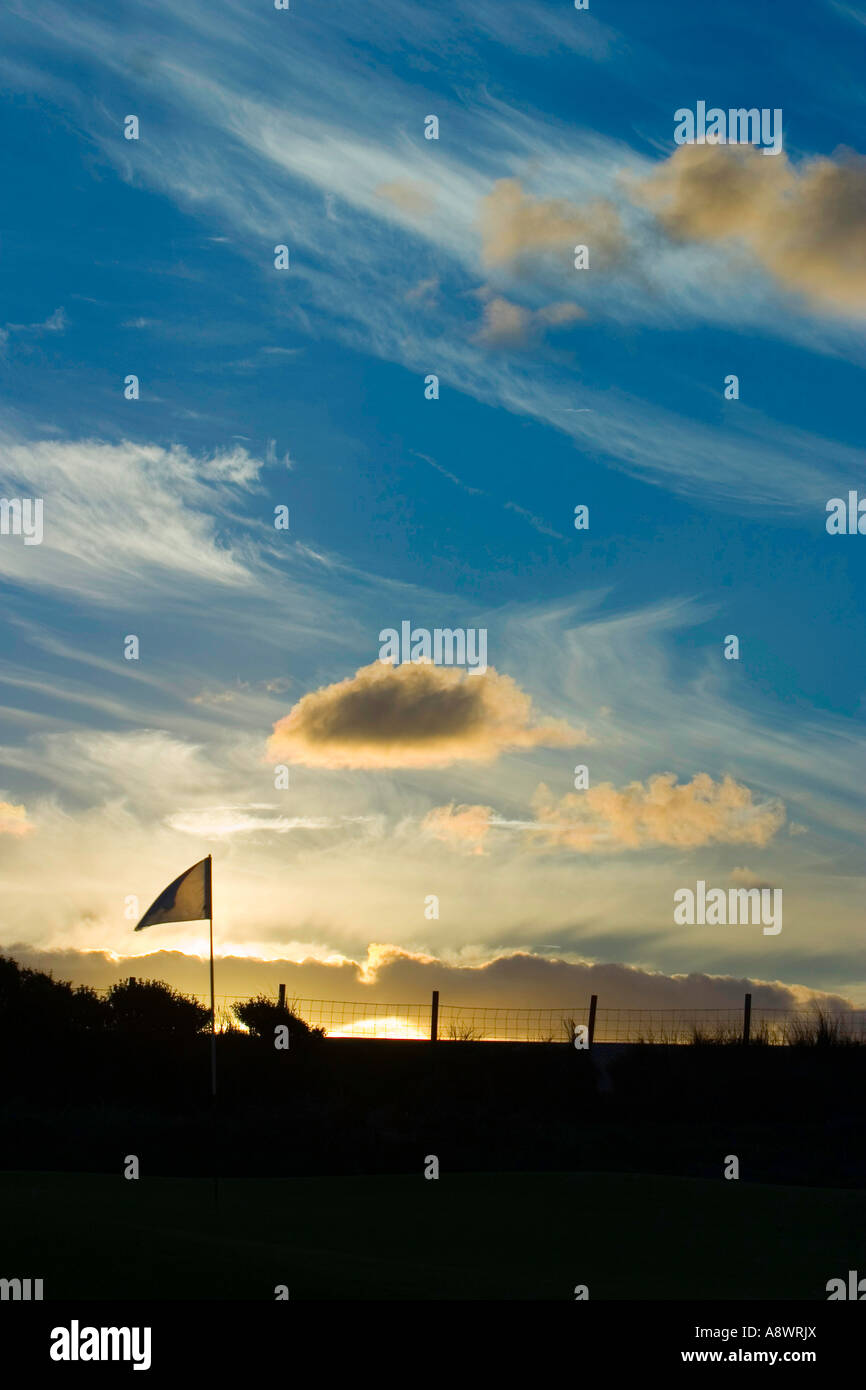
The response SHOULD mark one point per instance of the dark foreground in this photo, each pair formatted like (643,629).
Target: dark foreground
(466,1236)
(346,1107)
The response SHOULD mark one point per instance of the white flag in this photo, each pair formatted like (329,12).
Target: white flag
(188,899)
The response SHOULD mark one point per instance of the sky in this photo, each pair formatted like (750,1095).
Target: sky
(308,388)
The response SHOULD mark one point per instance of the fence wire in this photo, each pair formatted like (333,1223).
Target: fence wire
(508,1023)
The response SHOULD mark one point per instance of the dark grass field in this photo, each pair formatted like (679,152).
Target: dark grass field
(465,1236)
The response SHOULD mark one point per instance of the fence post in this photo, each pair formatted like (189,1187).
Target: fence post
(434,1016)
(747,1019)
(593,1005)
(282,996)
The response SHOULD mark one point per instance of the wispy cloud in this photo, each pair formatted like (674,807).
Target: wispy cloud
(119,518)
(241,156)
(535,521)
(217,822)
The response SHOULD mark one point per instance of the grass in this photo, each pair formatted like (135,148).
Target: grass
(465,1236)
(816,1028)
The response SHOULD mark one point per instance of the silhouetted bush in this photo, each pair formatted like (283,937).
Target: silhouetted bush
(262,1015)
(151,1008)
(31,1001)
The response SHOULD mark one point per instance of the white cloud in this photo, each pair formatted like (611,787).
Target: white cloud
(216,822)
(122,519)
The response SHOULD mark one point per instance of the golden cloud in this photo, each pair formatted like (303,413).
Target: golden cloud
(413,715)
(460,826)
(806,226)
(514,224)
(659,812)
(13,819)
(510,325)
(505,324)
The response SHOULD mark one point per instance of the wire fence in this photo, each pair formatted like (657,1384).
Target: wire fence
(506,1023)
(474,1023)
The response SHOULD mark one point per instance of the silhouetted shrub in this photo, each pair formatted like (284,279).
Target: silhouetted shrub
(262,1014)
(151,1008)
(31,1000)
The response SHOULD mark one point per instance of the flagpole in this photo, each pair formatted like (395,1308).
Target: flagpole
(213,1078)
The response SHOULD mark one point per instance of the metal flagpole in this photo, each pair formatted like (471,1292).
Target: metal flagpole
(213,1085)
(213,1074)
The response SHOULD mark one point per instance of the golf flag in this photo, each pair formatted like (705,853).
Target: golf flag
(188,899)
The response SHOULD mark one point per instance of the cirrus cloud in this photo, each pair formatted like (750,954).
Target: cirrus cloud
(126,518)
(409,196)
(413,715)
(215,822)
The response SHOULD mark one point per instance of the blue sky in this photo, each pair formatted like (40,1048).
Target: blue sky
(259,387)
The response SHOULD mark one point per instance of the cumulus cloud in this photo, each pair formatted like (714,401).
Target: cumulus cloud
(13,819)
(514,225)
(658,812)
(806,226)
(506,324)
(413,715)
(463,827)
